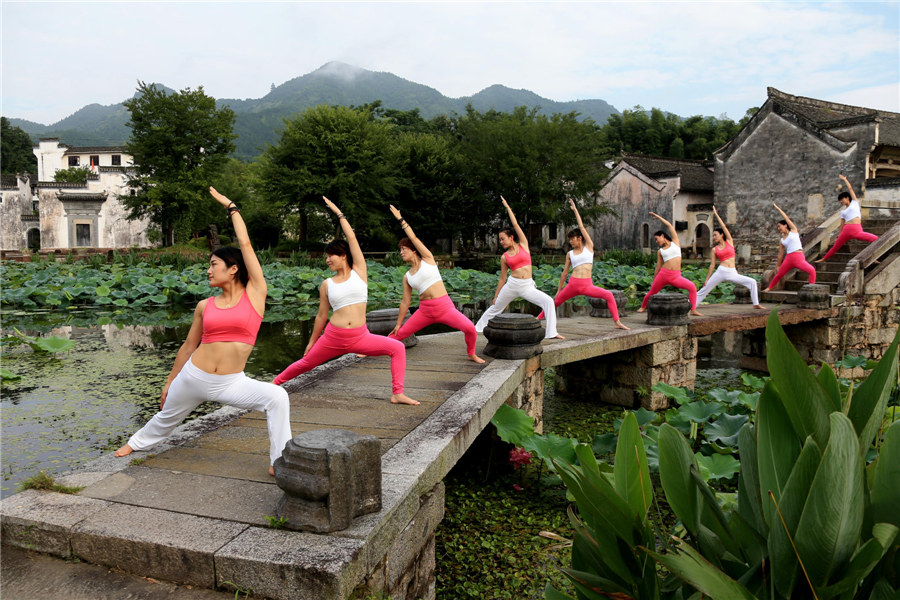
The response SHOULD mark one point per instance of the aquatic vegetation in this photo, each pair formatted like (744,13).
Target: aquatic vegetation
(46,483)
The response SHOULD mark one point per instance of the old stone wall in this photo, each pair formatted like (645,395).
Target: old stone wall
(16,203)
(780,161)
(632,199)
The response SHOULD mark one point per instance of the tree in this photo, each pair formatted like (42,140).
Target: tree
(343,153)
(16,155)
(179,143)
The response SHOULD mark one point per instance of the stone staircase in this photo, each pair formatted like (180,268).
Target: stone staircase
(829,272)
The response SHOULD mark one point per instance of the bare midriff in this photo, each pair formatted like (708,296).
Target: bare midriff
(521,272)
(350,316)
(435,290)
(583,271)
(221,358)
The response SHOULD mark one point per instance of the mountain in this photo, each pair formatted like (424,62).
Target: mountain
(259,121)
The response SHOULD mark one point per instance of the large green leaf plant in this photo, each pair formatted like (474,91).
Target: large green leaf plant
(812,518)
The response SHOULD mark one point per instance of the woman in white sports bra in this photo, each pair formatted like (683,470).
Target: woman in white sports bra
(851,221)
(791,251)
(435,305)
(346,294)
(668,267)
(581,259)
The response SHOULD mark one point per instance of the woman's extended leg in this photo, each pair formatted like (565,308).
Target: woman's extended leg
(328,346)
(536,296)
(507,294)
(379,345)
(659,282)
(718,277)
(264,397)
(850,231)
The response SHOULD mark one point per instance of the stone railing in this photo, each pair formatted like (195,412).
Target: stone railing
(852,281)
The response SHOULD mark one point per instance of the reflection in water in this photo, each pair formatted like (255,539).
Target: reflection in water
(72,407)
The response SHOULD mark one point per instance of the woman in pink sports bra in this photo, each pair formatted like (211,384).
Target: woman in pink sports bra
(581,259)
(435,305)
(723,250)
(517,261)
(210,363)
(345,295)
(668,267)
(790,252)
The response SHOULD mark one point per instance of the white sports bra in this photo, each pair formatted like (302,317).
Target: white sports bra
(352,291)
(584,258)
(426,276)
(791,243)
(851,212)
(673,251)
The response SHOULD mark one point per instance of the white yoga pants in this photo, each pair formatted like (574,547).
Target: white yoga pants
(527,290)
(729,274)
(193,386)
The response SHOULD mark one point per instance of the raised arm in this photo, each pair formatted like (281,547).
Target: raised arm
(588,242)
(256,284)
(423,251)
(359,261)
(669,226)
(849,187)
(724,227)
(515,224)
(790,223)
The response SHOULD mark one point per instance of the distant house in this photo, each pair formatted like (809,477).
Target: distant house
(791,152)
(40,213)
(679,190)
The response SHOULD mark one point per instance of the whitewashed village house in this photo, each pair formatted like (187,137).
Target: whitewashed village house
(679,190)
(45,214)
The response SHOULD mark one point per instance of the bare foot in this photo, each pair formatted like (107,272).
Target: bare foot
(641,309)
(476,359)
(559,337)
(403,399)
(621,325)
(758,306)
(767,290)
(124,451)
(360,356)
(696,313)
(820,260)
(271,470)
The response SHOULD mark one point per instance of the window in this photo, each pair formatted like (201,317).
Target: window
(95,160)
(34,239)
(117,160)
(645,236)
(73,161)
(82,235)
(35,206)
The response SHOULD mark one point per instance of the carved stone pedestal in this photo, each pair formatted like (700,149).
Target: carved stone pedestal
(742,295)
(381,322)
(512,336)
(600,309)
(329,477)
(668,309)
(813,295)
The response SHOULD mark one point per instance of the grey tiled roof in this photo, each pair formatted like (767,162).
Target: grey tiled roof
(95,149)
(695,175)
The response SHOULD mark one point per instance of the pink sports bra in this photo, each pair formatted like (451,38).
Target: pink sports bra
(239,323)
(725,253)
(521,259)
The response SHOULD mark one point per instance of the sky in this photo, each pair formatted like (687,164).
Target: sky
(689,58)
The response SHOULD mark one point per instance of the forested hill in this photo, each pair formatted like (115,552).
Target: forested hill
(259,120)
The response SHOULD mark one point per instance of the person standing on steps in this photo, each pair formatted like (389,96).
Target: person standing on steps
(517,262)
(851,221)
(581,259)
(435,305)
(723,251)
(346,295)
(668,267)
(210,364)
(790,254)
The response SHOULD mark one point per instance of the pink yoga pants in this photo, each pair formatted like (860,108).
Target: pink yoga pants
(671,277)
(193,386)
(439,310)
(794,260)
(850,231)
(584,286)
(336,341)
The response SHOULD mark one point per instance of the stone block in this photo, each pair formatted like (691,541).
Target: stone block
(43,521)
(154,543)
(414,544)
(689,348)
(618,396)
(599,306)
(742,295)
(513,336)
(286,565)
(329,476)
(382,322)
(655,401)
(668,309)
(883,336)
(813,295)
(660,353)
